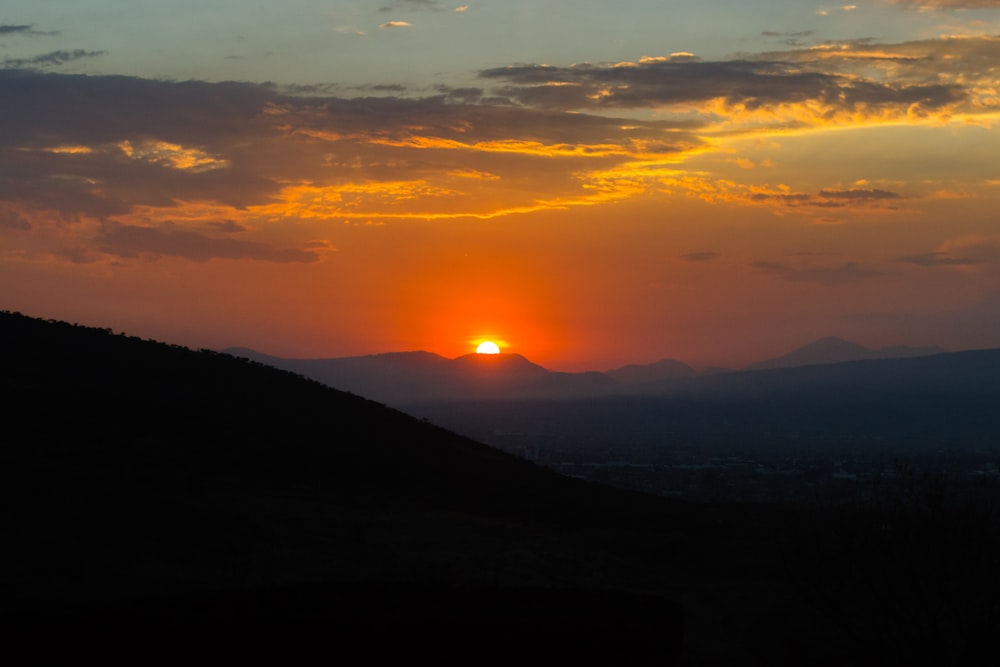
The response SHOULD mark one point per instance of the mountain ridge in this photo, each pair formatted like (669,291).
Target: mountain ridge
(401,378)
(833,349)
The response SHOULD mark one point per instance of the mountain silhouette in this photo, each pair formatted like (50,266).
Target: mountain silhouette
(664,369)
(402,378)
(832,350)
(493,367)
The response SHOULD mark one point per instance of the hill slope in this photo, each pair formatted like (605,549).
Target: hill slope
(153,486)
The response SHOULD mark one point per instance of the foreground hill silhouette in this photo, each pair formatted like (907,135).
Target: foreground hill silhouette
(156,487)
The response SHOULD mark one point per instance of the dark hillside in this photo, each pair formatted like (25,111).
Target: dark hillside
(150,486)
(84,396)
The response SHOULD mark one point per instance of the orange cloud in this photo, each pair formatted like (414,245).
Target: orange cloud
(171,155)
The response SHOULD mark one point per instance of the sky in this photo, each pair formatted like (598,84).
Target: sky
(587,183)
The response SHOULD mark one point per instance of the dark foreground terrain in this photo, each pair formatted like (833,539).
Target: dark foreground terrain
(160,501)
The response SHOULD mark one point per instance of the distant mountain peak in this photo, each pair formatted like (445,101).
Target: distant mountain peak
(664,369)
(834,350)
(505,361)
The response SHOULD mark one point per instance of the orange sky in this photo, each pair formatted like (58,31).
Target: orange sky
(714,210)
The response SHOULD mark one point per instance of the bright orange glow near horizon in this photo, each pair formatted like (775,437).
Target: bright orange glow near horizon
(651,201)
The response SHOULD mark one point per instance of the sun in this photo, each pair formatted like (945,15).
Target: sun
(488,347)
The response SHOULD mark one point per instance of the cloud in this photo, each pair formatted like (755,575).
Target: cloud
(7,29)
(971,253)
(11,219)
(700,256)
(826,198)
(858,194)
(171,167)
(977,248)
(842,8)
(849,272)
(946,4)
(168,168)
(791,38)
(461,8)
(414,5)
(468,94)
(227,226)
(395,24)
(844,83)
(132,241)
(50,59)
(734,86)
(25,30)
(936,259)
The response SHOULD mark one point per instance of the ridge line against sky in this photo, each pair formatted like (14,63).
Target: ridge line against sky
(589,187)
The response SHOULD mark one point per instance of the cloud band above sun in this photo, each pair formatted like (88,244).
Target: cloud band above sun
(157,163)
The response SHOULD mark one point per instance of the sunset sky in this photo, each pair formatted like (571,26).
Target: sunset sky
(589,183)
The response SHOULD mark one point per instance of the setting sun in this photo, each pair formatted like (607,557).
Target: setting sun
(488,347)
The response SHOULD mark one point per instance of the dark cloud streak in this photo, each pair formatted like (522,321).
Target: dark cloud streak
(700,256)
(936,259)
(6,29)
(947,4)
(751,83)
(849,272)
(131,241)
(829,198)
(50,59)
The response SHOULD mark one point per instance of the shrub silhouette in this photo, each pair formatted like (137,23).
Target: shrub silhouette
(910,573)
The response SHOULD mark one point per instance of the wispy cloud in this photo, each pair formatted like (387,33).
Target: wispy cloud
(833,83)
(827,276)
(8,29)
(936,259)
(700,256)
(734,87)
(395,24)
(50,59)
(414,5)
(206,158)
(171,164)
(27,30)
(133,241)
(12,219)
(947,4)
(842,8)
